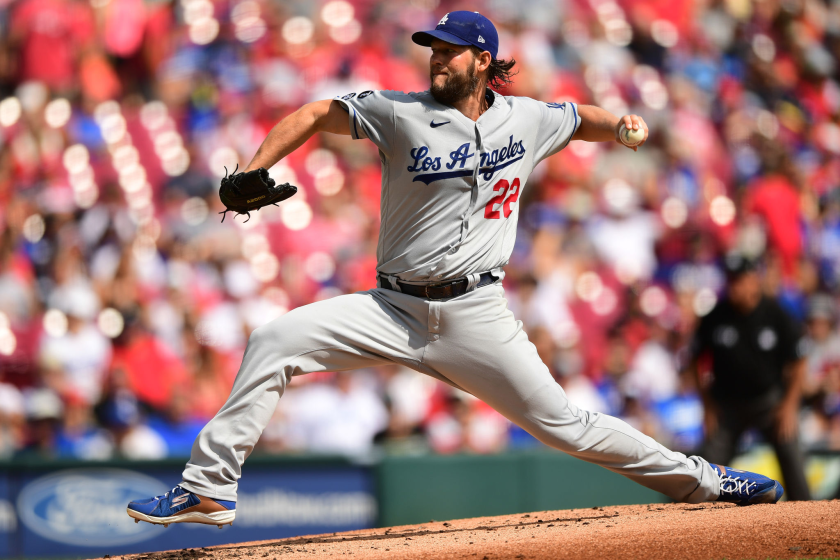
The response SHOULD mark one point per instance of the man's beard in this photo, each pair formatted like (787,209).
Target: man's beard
(456,87)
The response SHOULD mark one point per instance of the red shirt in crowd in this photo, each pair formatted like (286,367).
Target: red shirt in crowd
(51,33)
(776,200)
(153,372)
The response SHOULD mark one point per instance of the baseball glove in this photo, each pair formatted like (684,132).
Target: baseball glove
(243,192)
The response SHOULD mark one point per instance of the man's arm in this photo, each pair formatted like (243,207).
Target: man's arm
(787,415)
(794,373)
(599,125)
(290,133)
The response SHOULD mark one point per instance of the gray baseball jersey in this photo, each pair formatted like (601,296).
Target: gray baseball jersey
(450,186)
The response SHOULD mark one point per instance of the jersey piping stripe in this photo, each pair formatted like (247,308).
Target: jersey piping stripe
(577,124)
(356,130)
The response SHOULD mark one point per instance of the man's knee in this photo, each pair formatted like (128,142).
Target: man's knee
(555,421)
(262,335)
(276,338)
(288,336)
(280,332)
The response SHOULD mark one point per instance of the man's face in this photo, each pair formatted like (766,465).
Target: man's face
(819,328)
(452,71)
(744,291)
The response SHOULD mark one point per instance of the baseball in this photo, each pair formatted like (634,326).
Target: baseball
(631,137)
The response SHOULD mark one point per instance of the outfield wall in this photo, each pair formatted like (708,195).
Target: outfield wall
(77,510)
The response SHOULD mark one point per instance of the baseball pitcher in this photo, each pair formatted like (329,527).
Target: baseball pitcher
(455,159)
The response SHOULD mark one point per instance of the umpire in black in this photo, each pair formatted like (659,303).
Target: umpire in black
(756,351)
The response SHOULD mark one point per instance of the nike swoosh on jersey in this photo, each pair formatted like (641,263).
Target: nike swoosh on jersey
(433,124)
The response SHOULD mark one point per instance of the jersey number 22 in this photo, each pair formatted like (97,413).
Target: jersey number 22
(508,193)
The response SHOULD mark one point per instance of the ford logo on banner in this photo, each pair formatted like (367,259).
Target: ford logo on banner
(86,507)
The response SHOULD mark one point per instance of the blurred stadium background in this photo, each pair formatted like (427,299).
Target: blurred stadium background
(125,305)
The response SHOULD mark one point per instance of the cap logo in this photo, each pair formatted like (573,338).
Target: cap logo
(480,39)
(443,20)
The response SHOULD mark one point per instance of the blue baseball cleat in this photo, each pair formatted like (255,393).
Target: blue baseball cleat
(182,506)
(746,488)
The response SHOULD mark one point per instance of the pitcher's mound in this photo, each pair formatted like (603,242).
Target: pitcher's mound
(785,530)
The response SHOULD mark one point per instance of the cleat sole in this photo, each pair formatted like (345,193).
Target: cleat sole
(216,518)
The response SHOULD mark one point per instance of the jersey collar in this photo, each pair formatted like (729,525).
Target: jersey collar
(490,97)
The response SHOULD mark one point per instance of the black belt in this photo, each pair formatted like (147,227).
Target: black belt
(441,290)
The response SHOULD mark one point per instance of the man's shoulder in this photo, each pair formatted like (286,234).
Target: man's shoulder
(721,312)
(774,308)
(405,96)
(388,94)
(424,98)
(418,98)
(522,101)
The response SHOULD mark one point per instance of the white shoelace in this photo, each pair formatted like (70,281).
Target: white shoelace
(734,485)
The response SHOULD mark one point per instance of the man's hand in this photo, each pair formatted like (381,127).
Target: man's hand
(631,122)
(599,125)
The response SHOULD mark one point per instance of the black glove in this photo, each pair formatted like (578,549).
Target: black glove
(243,192)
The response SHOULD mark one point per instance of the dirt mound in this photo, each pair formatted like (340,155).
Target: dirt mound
(785,530)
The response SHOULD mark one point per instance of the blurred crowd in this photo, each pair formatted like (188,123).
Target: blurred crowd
(125,304)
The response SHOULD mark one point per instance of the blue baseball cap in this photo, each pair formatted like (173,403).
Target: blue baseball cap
(463,28)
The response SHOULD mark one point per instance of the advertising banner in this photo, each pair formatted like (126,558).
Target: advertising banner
(81,511)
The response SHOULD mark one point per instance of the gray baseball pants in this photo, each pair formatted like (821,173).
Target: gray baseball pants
(471,342)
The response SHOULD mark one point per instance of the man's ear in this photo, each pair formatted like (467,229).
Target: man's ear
(484,60)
